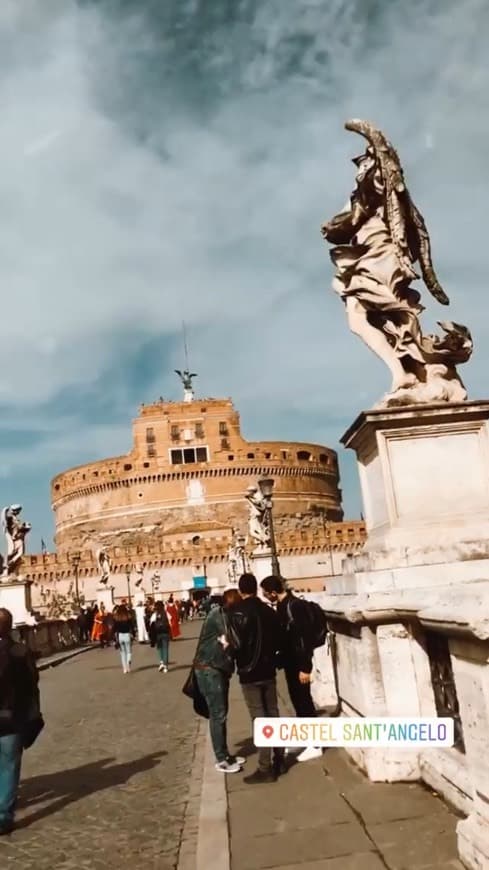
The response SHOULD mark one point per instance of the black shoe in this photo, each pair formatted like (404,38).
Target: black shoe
(260,776)
(6,828)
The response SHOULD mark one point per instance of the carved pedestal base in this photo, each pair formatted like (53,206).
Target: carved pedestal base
(105,596)
(15,595)
(423,473)
(261,564)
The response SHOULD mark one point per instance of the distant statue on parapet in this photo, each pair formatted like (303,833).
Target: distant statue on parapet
(103,562)
(15,532)
(379,237)
(186,378)
(258,522)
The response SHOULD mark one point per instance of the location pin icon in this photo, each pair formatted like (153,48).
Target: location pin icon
(267,731)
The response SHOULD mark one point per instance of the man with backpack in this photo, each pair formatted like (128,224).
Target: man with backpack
(20,715)
(160,633)
(304,628)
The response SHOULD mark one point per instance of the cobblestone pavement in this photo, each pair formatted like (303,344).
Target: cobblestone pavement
(106,785)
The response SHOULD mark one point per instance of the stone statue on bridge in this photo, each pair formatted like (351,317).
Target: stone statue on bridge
(15,531)
(379,237)
(259,529)
(103,561)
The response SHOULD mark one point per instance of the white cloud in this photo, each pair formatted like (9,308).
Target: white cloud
(214,215)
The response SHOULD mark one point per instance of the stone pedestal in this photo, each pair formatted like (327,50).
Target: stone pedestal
(15,595)
(105,596)
(261,564)
(424,475)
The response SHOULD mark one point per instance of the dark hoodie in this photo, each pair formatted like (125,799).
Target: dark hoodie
(19,692)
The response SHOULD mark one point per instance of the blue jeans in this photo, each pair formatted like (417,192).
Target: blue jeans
(125,642)
(10,761)
(163,647)
(214,685)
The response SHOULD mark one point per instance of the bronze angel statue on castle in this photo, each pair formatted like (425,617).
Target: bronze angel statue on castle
(379,237)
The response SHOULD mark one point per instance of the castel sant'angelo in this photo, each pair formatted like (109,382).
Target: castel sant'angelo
(172,505)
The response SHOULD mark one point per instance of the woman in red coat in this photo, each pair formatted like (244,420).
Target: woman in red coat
(172,611)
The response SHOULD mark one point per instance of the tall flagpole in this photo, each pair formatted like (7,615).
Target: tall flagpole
(185,346)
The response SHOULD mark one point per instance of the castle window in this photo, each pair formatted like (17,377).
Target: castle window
(268,455)
(175,433)
(56,486)
(145,464)
(199,430)
(230,457)
(150,435)
(250,455)
(127,466)
(151,450)
(303,455)
(225,444)
(223,429)
(189,455)
(323,458)
(285,454)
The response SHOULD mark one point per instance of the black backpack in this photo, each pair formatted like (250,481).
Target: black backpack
(318,624)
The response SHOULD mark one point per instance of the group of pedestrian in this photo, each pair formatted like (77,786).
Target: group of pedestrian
(257,639)
(160,626)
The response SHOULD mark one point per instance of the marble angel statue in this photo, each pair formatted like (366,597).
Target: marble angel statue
(378,239)
(259,530)
(15,531)
(103,562)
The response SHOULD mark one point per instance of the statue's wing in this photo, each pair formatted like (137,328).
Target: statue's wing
(178,372)
(193,375)
(402,215)
(425,261)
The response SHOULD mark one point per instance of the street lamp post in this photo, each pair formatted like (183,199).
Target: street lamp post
(266,489)
(128,578)
(75,561)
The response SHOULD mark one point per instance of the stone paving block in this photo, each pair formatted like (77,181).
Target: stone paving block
(359,861)
(416,843)
(266,810)
(312,844)
(384,802)
(339,767)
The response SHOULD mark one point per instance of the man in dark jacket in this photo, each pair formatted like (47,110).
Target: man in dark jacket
(19,701)
(256,641)
(297,650)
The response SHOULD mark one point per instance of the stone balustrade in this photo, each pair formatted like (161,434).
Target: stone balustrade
(49,637)
(419,652)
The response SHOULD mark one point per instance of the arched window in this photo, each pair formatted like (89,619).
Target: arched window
(303,455)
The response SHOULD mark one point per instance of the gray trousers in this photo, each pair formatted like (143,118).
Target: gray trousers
(261,700)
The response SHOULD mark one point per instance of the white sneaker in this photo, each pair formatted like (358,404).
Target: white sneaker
(310,753)
(227,767)
(161,667)
(165,669)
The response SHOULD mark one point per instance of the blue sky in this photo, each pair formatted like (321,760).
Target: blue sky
(169,161)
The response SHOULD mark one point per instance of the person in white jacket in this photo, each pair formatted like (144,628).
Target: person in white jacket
(139,609)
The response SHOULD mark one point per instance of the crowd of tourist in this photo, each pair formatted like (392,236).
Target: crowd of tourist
(241,633)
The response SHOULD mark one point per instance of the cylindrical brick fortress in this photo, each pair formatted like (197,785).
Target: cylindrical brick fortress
(189,465)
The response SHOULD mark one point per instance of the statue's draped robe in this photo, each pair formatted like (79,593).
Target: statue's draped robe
(367,268)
